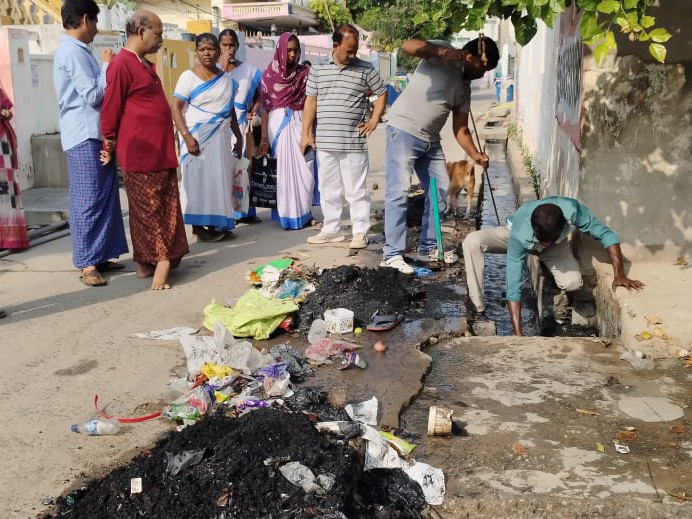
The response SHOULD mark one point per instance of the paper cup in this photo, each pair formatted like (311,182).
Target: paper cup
(440,421)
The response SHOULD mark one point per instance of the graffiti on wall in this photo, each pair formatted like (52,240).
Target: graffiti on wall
(569,88)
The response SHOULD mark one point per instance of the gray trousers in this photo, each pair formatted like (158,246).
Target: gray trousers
(558,258)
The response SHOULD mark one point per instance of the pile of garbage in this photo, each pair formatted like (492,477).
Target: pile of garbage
(267,463)
(248,442)
(363,290)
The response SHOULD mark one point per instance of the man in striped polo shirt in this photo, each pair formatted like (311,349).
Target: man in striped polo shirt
(337,98)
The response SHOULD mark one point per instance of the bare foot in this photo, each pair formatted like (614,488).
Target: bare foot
(145,270)
(160,281)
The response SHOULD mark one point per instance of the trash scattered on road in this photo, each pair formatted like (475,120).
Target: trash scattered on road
(422,272)
(303,477)
(350,359)
(170,334)
(47,501)
(403,447)
(682,354)
(97,427)
(318,331)
(135,486)
(644,336)
(320,352)
(339,320)
(341,428)
(622,449)
(586,412)
(680,261)
(677,429)
(439,421)
(636,361)
(364,412)
(600,447)
(177,463)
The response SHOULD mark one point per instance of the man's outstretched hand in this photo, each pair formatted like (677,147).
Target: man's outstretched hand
(629,284)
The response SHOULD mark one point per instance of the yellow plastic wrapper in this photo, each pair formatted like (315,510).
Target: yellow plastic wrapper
(212,370)
(401,446)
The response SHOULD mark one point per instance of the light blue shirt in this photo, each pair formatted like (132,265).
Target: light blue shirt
(522,239)
(80,86)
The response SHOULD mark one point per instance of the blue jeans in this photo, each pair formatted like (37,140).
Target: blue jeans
(406,153)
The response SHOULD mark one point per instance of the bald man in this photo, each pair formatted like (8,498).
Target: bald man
(136,122)
(541,228)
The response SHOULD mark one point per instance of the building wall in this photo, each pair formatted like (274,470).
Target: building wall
(538,88)
(637,136)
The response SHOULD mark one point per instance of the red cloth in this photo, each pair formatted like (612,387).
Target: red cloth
(136,113)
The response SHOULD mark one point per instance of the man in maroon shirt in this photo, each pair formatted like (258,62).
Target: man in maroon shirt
(136,122)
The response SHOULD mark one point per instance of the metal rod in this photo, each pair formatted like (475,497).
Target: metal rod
(485,170)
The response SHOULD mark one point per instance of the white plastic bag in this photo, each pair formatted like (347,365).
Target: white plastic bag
(241,185)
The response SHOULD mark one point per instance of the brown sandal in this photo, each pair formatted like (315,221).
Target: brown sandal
(92,278)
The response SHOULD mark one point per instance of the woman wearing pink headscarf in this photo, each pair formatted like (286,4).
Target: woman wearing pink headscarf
(283,96)
(13,233)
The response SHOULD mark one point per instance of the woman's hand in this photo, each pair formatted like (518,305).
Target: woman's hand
(192,144)
(105,157)
(264,147)
(5,114)
(238,148)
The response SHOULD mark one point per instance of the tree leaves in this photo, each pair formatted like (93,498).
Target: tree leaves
(525,29)
(660,35)
(658,51)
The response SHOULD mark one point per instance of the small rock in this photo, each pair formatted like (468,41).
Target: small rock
(375,186)
(612,381)
(47,501)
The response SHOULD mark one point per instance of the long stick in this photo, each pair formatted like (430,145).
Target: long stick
(485,170)
(436,213)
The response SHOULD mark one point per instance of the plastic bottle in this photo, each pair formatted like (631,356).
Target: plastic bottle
(318,331)
(97,427)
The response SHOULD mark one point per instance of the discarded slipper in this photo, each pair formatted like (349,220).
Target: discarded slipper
(109,265)
(382,323)
(92,278)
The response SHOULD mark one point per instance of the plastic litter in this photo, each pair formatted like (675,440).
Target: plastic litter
(422,272)
(253,315)
(170,334)
(635,361)
(135,486)
(191,406)
(351,358)
(431,481)
(47,501)
(403,447)
(318,331)
(364,412)
(97,427)
(622,449)
(296,364)
(303,477)
(341,428)
(176,463)
(321,352)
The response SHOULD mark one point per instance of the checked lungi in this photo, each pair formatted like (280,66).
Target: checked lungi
(96,221)
(156,220)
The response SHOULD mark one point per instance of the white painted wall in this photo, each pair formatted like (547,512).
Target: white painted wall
(556,158)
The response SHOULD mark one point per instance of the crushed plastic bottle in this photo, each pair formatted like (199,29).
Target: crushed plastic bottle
(318,331)
(97,427)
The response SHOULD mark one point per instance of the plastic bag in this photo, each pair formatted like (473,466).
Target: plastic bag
(191,406)
(241,186)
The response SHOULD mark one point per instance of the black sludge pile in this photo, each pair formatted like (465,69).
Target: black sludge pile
(238,476)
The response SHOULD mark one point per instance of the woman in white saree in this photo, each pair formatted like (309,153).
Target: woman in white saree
(203,113)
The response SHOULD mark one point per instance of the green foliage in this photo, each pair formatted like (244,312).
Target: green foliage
(396,20)
(337,15)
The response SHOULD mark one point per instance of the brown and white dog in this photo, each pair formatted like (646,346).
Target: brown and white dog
(461,176)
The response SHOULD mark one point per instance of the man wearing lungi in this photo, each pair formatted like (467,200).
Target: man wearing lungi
(96,222)
(136,122)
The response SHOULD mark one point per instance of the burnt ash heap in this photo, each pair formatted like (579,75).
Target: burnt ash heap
(233,481)
(362,290)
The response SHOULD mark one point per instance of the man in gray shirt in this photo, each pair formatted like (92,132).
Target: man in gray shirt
(337,97)
(441,84)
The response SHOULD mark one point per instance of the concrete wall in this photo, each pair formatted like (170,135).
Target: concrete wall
(555,155)
(637,134)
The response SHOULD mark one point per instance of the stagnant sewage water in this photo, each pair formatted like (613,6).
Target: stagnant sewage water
(494,285)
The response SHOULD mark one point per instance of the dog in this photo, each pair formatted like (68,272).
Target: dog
(462,175)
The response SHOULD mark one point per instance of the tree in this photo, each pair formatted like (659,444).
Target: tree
(331,13)
(599,19)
